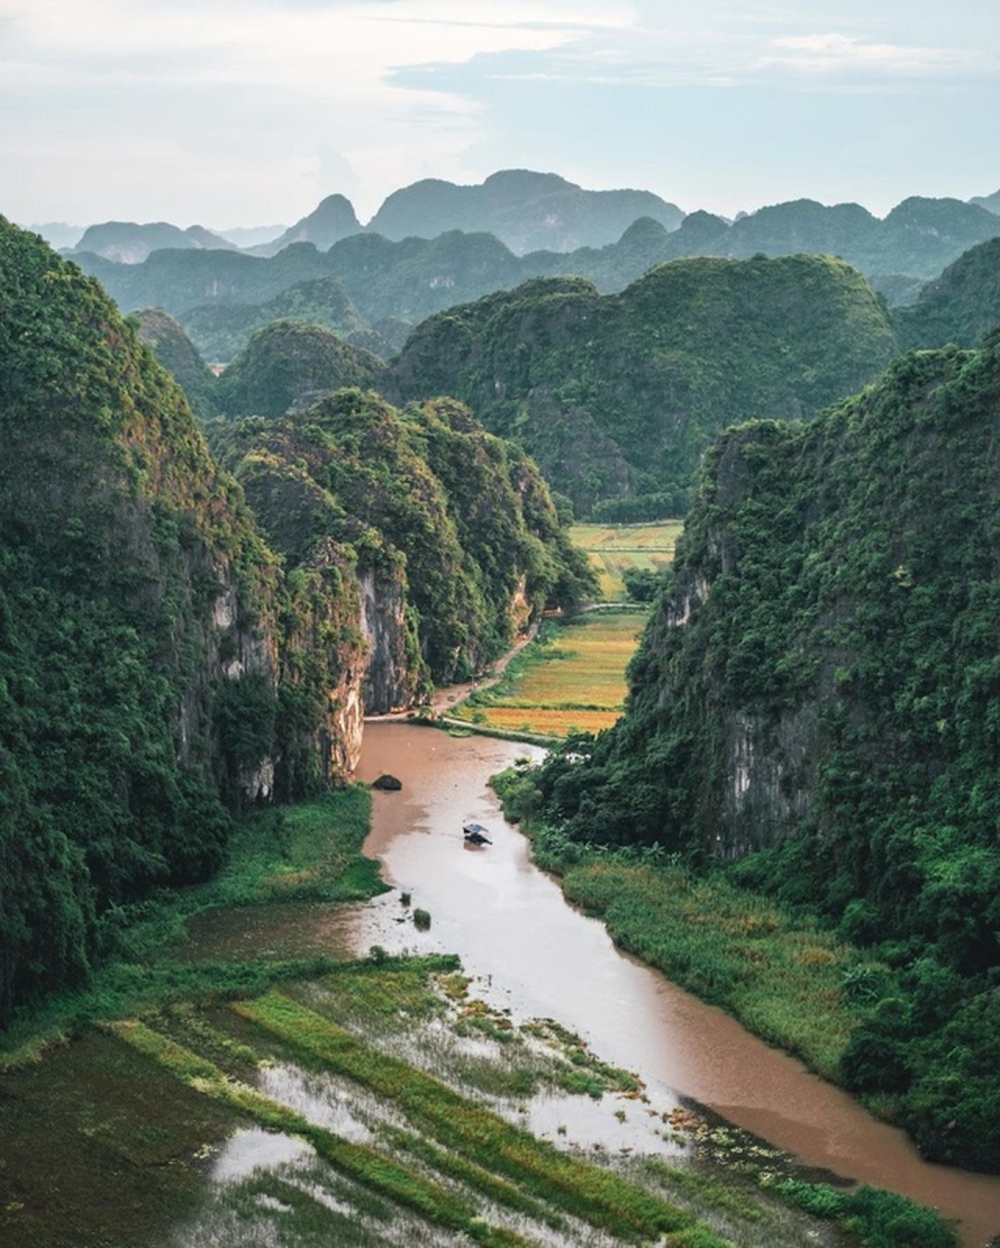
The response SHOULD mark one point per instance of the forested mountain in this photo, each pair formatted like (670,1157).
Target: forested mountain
(464,521)
(527,211)
(990,202)
(288,365)
(180,280)
(220,331)
(332,220)
(159,665)
(961,306)
(817,695)
(221,296)
(137,607)
(619,395)
(166,338)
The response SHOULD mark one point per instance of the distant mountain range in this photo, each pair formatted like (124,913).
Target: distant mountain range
(366,280)
(529,211)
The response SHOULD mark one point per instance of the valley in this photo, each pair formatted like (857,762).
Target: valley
(414,526)
(276,1115)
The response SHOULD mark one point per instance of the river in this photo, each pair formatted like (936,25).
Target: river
(533,952)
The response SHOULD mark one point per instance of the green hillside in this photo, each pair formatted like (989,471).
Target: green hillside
(961,306)
(816,700)
(465,518)
(620,395)
(137,618)
(160,667)
(286,364)
(173,348)
(220,331)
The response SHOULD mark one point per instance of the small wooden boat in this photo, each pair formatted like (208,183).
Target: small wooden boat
(475,834)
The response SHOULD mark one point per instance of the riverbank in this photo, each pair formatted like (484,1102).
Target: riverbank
(223,1079)
(199,1094)
(778,973)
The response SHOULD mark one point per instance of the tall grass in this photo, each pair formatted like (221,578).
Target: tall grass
(306,852)
(780,975)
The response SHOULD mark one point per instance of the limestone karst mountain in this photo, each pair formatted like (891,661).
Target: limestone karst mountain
(618,396)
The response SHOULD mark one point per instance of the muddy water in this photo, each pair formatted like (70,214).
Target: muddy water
(527,947)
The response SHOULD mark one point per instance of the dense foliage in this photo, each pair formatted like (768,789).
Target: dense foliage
(221,331)
(961,306)
(434,245)
(468,516)
(288,364)
(817,696)
(177,353)
(120,544)
(621,394)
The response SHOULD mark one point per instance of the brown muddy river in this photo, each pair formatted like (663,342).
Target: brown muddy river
(531,951)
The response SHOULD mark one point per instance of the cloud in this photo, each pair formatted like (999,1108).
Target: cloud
(246,110)
(92,79)
(834,54)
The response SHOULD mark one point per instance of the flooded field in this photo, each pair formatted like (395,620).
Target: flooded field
(546,1091)
(515,932)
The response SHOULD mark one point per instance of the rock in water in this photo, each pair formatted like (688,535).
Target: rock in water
(387,783)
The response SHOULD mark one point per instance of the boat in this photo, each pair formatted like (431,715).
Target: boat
(475,834)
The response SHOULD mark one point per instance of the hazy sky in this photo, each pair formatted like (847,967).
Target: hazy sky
(245,112)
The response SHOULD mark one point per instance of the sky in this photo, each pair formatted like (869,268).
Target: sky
(247,112)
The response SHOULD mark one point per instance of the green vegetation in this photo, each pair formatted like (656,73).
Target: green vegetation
(816,697)
(620,395)
(620,551)
(178,355)
(162,668)
(961,306)
(287,364)
(221,331)
(193,1049)
(462,520)
(570,679)
(310,852)
(119,538)
(599,1197)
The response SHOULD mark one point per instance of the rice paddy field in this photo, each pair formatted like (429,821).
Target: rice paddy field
(612,548)
(572,679)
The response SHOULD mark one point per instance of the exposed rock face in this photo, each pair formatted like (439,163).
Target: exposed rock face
(813,668)
(388,678)
(140,654)
(448,535)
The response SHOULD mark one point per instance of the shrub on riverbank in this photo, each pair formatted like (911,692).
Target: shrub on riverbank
(307,852)
(774,969)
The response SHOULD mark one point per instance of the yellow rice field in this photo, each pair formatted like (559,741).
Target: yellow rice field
(612,548)
(573,682)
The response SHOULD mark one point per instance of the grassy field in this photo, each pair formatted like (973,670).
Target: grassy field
(612,548)
(571,679)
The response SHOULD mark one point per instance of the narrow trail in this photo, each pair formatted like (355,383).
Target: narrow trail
(450,696)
